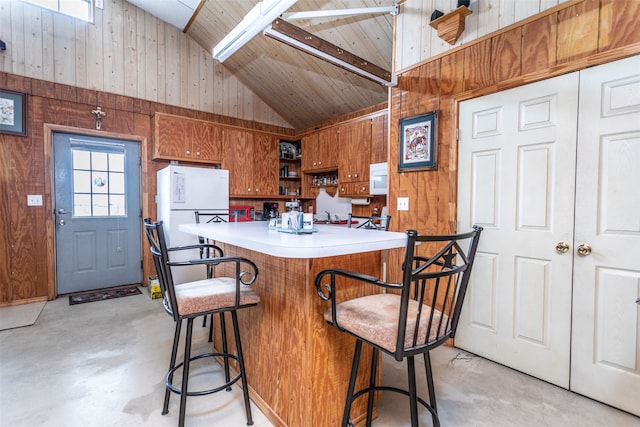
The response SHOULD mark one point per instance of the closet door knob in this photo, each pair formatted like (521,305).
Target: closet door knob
(584,249)
(562,247)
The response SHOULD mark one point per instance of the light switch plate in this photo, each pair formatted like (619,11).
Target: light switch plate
(34,200)
(100,4)
(403,203)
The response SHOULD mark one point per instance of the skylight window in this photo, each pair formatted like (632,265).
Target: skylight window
(80,9)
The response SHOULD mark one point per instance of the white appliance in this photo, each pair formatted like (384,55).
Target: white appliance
(378,182)
(182,190)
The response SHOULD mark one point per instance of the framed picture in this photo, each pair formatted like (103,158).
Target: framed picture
(419,142)
(13,113)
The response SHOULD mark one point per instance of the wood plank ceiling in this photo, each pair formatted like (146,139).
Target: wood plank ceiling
(304,90)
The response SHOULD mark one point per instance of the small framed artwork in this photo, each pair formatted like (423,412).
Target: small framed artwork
(419,142)
(13,113)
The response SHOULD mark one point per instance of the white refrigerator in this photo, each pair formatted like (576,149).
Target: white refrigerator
(182,190)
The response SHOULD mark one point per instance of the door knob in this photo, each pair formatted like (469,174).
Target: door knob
(584,249)
(562,247)
(62,211)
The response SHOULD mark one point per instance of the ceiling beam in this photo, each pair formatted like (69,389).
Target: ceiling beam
(290,16)
(300,39)
(254,21)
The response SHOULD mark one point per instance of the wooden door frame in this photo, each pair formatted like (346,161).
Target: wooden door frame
(50,243)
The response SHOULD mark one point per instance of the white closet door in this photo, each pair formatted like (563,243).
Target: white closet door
(516,176)
(605,363)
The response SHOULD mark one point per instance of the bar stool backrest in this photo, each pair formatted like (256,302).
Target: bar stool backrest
(208,218)
(370,222)
(433,290)
(159,251)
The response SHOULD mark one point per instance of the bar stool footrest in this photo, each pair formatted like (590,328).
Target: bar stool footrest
(226,385)
(395,390)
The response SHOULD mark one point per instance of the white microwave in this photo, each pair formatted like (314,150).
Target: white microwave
(378,183)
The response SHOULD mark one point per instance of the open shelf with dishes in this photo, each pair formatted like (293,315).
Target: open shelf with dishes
(290,176)
(328,180)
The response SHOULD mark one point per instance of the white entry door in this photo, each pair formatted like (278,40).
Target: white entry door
(605,354)
(516,174)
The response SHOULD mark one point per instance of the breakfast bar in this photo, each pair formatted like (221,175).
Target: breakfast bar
(297,365)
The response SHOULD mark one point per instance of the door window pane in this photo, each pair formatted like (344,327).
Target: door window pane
(98,183)
(82,205)
(117,204)
(116,183)
(81,181)
(100,205)
(99,161)
(116,162)
(81,159)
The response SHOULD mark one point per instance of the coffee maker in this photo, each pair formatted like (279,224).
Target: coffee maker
(270,210)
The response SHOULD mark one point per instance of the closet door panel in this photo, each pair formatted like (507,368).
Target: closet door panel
(516,179)
(605,362)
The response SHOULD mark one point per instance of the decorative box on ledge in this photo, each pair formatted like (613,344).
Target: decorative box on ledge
(451,25)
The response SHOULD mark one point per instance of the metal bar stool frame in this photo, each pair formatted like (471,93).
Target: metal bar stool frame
(426,306)
(245,272)
(212,217)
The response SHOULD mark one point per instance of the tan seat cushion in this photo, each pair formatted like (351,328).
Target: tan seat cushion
(212,294)
(375,319)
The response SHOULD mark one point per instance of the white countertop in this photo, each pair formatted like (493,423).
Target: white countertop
(330,240)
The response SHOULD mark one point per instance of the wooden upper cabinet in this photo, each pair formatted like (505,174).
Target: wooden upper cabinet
(379,138)
(329,146)
(266,164)
(355,151)
(238,160)
(252,161)
(309,152)
(191,140)
(320,151)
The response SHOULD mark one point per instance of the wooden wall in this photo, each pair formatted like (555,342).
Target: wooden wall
(569,37)
(416,41)
(26,232)
(126,51)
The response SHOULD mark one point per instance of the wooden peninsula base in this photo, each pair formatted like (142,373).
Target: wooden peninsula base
(298,365)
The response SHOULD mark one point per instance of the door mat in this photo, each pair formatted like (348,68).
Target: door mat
(103,295)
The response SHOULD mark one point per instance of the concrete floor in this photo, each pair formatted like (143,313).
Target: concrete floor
(103,364)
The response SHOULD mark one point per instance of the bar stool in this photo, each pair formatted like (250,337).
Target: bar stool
(379,223)
(411,318)
(370,222)
(206,252)
(194,299)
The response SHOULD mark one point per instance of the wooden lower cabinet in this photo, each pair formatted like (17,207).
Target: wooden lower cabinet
(354,189)
(297,364)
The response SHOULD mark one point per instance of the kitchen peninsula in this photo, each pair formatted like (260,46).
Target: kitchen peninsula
(297,365)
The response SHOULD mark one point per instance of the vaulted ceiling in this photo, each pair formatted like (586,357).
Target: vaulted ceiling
(304,90)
